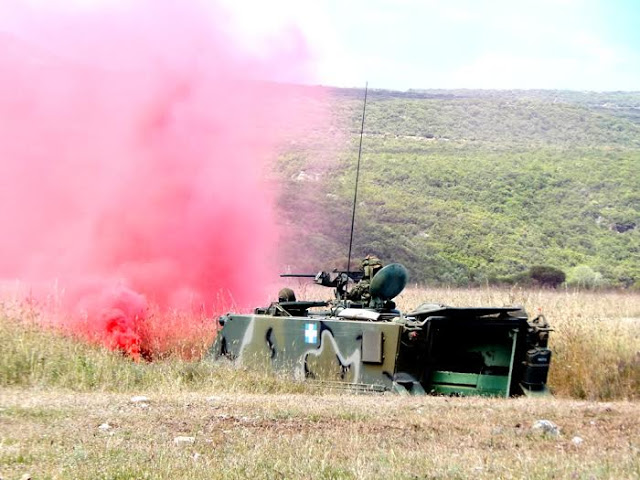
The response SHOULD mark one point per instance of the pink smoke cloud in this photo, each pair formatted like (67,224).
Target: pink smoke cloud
(133,145)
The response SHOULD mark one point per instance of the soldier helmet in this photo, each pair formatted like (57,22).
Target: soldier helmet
(371,265)
(286,295)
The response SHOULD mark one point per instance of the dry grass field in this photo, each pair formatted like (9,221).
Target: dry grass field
(67,435)
(66,409)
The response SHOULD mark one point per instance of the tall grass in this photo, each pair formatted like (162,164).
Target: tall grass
(33,355)
(596,348)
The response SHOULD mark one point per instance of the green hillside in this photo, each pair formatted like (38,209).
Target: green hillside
(465,187)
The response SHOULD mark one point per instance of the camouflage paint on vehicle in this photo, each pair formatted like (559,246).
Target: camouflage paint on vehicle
(324,349)
(364,342)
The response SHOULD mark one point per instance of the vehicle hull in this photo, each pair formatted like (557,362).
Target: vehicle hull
(456,351)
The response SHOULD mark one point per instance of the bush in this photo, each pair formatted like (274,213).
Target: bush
(584,276)
(546,276)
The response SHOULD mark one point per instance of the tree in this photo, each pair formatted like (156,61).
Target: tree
(584,276)
(547,276)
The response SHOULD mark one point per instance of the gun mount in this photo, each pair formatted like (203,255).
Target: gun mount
(338,280)
(362,341)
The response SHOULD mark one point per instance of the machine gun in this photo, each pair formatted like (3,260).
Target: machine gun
(335,279)
(375,293)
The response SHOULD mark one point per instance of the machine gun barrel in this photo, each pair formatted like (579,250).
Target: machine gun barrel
(353,275)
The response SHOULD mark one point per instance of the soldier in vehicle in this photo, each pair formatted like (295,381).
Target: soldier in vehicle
(371,265)
(286,295)
(338,280)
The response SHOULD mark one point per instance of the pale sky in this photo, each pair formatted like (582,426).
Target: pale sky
(493,44)
(402,44)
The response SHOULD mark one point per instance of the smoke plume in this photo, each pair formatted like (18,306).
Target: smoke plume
(133,144)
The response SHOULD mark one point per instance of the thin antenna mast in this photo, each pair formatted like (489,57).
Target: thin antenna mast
(355,195)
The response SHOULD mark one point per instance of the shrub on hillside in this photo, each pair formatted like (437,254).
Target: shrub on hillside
(537,276)
(584,276)
(546,276)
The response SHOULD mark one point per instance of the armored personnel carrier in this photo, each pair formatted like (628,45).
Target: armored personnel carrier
(360,340)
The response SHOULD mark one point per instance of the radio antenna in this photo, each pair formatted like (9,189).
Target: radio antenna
(355,194)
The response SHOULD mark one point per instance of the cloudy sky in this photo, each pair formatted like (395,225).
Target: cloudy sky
(403,44)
